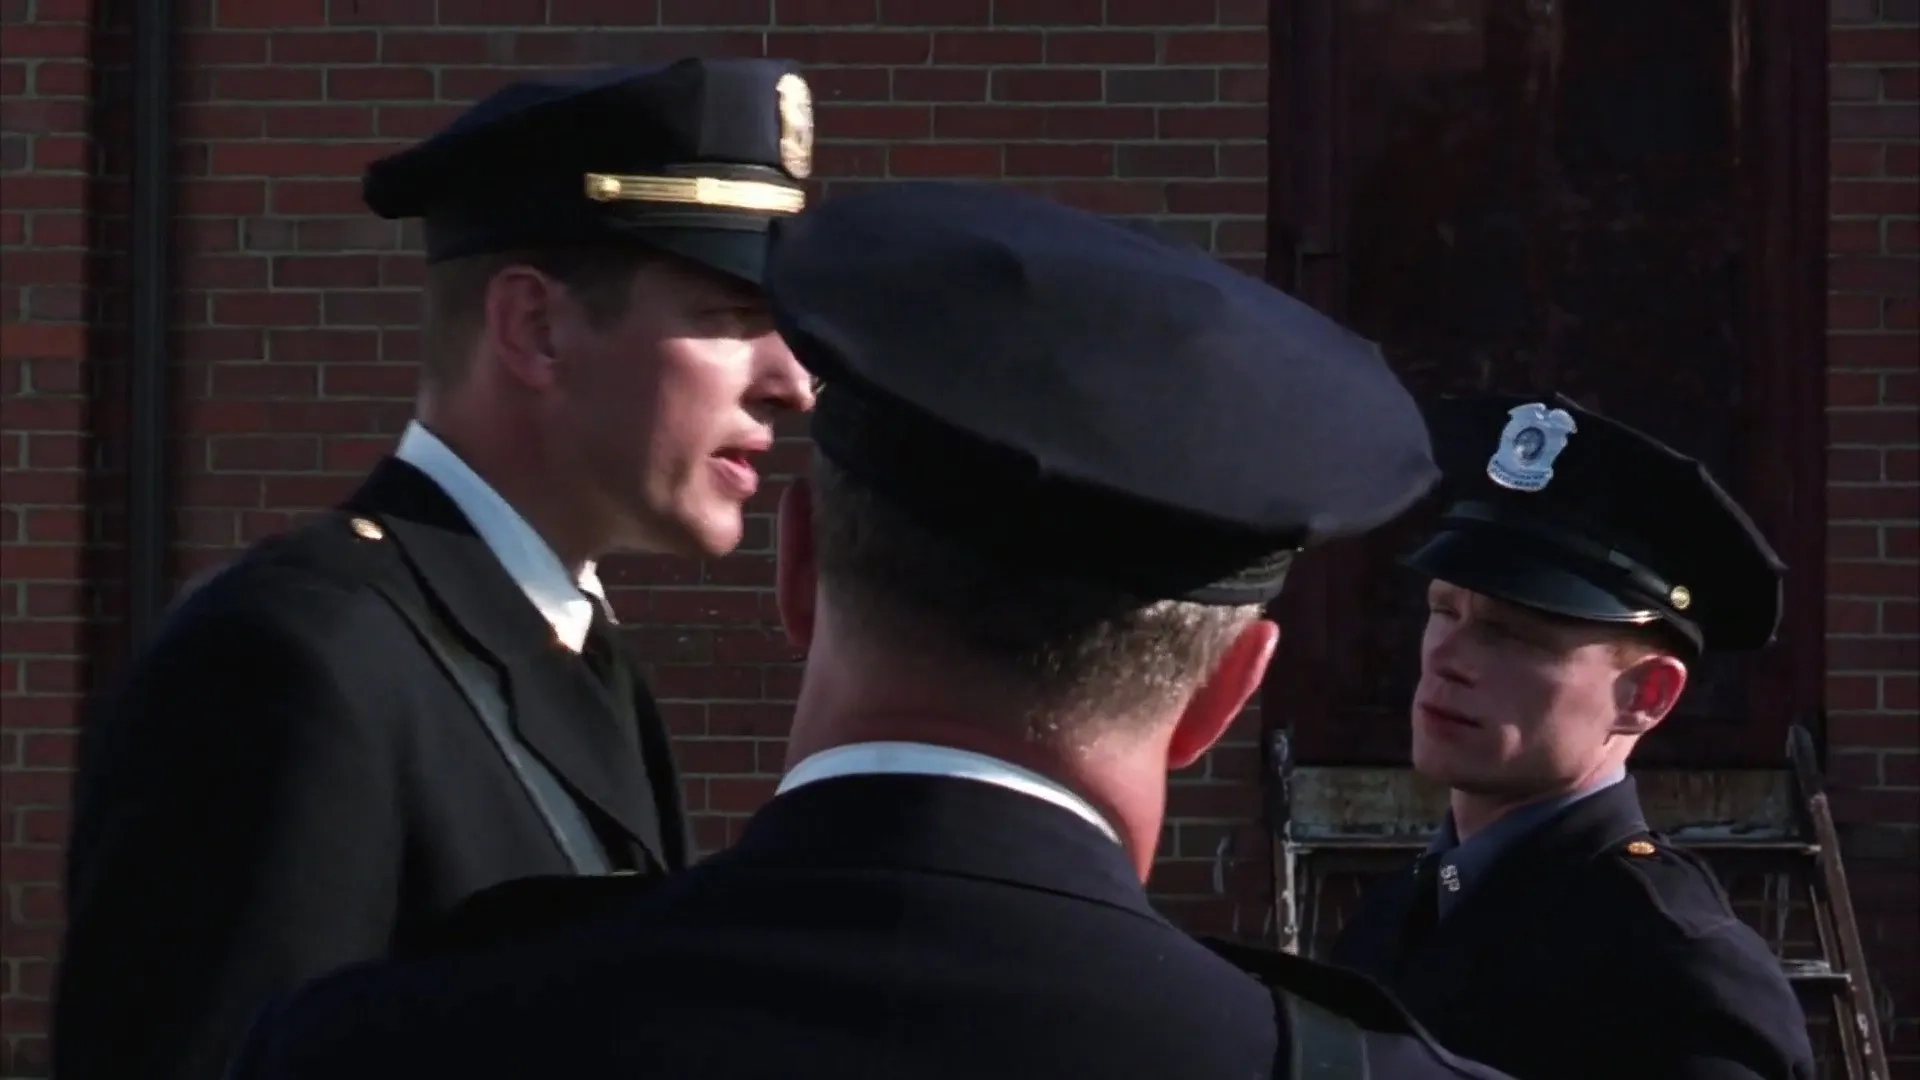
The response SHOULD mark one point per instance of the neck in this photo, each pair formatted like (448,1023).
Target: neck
(1127,784)
(1474,811)
(510,460)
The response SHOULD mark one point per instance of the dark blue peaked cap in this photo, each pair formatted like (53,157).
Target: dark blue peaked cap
(1559,508)
(693,158)
(1073,396)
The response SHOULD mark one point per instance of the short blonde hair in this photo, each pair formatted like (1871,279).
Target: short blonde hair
(1081,651)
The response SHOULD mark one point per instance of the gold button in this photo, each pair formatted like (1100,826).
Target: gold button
(1681,598)
(367,529)
(1641,847)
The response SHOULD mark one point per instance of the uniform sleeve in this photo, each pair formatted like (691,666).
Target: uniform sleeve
(236,832)
(1723,1011)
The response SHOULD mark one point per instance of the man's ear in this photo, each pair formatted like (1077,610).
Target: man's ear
(519,323)
(1220,698)
(796,578)
(1647,691)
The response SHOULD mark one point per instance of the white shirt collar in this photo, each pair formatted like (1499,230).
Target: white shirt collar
(925,759)
(565,602)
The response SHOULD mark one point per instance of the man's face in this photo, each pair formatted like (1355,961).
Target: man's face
(666,412)
(1513,702)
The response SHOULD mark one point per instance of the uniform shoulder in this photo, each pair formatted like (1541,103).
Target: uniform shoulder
(1339,990)
(1687,939)
(314,579)
(1672,888)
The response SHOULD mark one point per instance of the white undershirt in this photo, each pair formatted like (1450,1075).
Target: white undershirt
(925,759)
(565,602)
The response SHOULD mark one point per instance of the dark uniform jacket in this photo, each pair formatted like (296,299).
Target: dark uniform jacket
(865,927)
(287,781)
(1591,949)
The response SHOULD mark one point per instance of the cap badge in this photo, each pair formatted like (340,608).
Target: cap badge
(1533,438)
(796,125)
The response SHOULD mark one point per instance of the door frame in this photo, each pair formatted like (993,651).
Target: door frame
(1786,307)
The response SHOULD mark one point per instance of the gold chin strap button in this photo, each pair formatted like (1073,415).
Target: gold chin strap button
(1641,848)
(367,529)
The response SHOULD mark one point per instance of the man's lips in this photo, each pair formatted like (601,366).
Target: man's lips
(735,470)
(1436,714)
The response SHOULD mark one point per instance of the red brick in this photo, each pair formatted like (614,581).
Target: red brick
(987,47)
(266,84)
(834,12)
(492,12)
(951,160)
(1048,13)
(35,41)
(351,47)
(43,339)
(877,121)
(1039,84)
(1877,45)
(1875,122)
(1216,47)
(440,47)
(1101,47)
(715,12)
(852,47)
(939,84)
(244,14)
(603,12)
(1077,159)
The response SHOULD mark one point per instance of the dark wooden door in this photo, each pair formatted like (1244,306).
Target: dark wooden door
(1616,199)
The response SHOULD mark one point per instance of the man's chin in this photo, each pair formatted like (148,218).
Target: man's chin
(713,535)
(707,536)
(1443,765)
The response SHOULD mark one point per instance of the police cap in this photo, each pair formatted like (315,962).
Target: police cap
(1073,396)
(1557,508)
(693,158)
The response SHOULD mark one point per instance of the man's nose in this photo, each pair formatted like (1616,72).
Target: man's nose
(785,383)
(1448,654)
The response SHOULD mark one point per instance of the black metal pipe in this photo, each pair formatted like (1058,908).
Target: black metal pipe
(149,382)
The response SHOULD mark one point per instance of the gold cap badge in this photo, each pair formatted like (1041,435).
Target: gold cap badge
(796,125)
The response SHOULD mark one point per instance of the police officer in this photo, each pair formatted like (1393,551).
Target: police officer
(1580,571)
(335,741)
(1063,465)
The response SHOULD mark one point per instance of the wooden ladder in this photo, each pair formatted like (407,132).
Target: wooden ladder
(1841,969)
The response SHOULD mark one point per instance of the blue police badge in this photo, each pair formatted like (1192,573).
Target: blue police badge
(1533,438)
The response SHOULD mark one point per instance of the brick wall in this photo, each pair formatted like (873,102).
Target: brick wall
(1873,491)
(295,316)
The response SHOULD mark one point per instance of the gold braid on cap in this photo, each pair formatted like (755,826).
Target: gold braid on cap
(754,195)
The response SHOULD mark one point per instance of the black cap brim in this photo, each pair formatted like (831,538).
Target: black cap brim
(737,253)
(1520,574)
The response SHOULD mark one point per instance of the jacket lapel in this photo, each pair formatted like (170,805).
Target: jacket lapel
(558,709)
(1524,884)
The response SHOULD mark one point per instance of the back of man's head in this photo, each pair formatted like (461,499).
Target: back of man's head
(1064,465)
(1075,659)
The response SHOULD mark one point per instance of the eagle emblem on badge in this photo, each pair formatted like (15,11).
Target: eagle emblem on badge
(1533,438)
(795,101)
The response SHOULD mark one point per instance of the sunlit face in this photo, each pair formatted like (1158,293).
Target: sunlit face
(1514,702)
(666,412)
